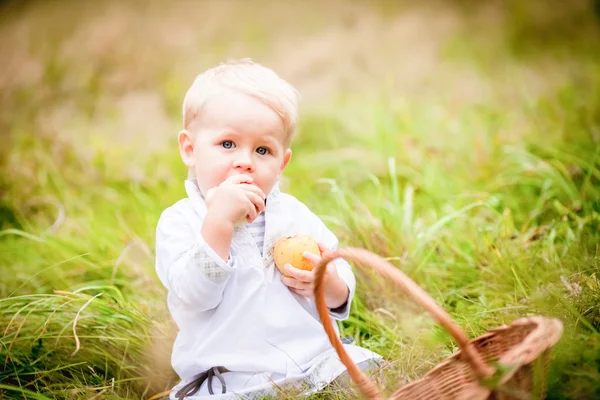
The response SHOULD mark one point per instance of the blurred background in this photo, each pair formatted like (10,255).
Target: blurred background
(460,139)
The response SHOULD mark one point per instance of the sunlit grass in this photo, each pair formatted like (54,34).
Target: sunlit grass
(484,188)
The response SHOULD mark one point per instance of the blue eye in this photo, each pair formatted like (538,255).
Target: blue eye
(227,144)
(262,151)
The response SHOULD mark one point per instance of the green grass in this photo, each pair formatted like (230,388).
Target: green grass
(482,184)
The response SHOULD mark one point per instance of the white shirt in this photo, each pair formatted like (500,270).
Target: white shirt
(238,314)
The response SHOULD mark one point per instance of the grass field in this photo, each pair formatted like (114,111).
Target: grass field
(460,140)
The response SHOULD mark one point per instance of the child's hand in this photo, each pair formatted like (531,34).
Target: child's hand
(302,282)
(236,199)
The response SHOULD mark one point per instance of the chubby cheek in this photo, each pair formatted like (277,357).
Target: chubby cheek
(209,178)
(267,182)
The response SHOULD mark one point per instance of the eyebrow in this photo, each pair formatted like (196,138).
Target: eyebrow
(227,132)
(271,141)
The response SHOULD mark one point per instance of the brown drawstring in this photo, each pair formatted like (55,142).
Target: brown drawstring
(215,371)
(194,386)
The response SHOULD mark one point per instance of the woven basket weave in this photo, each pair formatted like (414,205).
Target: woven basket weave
(508,362)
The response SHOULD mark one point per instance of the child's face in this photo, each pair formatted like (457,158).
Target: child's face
(236,134)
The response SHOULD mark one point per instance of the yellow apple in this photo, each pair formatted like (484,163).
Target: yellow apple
(289,250)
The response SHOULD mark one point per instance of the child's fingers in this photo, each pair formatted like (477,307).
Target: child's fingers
(257,201)
(322,247)
(252,213)
(299,274)
(313,258)
(301,288)
(296,283)
(303,292)
(254,189)
(291,282)
(238,179)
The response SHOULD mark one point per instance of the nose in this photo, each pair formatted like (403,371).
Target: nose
(244,163)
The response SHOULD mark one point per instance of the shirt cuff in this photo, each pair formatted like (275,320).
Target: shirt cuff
(217,259)
(213,267)
(343,312)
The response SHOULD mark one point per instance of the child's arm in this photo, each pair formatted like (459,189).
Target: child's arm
(346,274)
(344,270)
(233,200)
(342,276)
(339,283)
(193,262)
(190,269)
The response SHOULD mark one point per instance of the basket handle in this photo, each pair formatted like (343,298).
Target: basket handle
(362,256)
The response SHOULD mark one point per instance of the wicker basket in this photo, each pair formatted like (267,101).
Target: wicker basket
(508,362)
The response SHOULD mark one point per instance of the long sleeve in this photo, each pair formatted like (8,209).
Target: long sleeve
(325,236)
(191,271)
(345,271)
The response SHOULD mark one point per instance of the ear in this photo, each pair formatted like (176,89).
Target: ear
(286,159)
(186,147)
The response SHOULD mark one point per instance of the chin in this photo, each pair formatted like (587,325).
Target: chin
(267,190)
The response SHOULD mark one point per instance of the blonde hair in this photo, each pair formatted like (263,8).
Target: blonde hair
(248,77)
